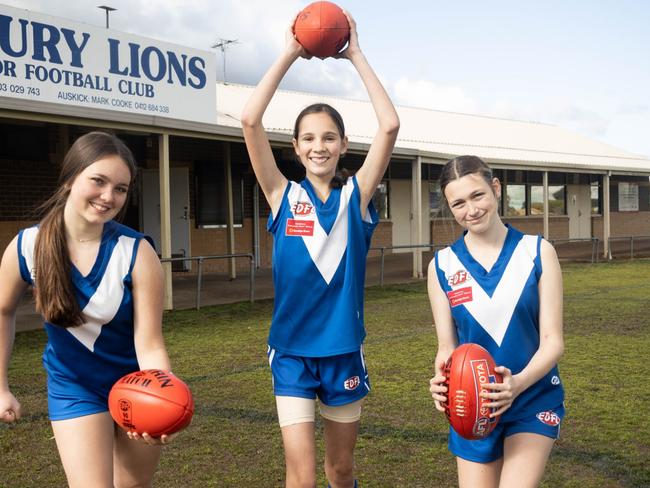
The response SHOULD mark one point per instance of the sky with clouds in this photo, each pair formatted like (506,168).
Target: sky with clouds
(581,64)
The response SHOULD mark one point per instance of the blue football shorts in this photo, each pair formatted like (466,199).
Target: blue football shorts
(335,380)
(546,423)
(67,399)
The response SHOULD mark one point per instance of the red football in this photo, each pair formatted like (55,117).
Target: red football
(322,28)
(468,368)
(152,401)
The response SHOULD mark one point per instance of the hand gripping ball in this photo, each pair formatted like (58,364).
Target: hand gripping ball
(322,28)
(152,401)
(469,368)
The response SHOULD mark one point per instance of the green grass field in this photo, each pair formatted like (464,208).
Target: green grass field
(234,440)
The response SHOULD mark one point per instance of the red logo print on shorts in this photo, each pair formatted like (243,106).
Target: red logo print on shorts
(549,418)
(352,383)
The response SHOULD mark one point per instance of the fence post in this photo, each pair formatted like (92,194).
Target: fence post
(199,276)
(252,278)
(631,247)
(381,268)
(594,249)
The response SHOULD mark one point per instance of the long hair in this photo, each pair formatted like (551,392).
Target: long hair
(54,292)
(341,175)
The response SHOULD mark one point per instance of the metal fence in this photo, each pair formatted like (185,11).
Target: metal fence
(595,242)
(199,272)
(631,240)
(383,249)
(594,245)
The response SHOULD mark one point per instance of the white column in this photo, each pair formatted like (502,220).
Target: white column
(229,215)
(416,214)
(606,222)
(545,190)
(165,219)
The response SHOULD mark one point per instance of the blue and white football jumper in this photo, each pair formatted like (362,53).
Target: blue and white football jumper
(319,266)
(93,356)
(499,309)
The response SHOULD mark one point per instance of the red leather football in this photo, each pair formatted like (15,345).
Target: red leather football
(152,401)
(469,368)
(322,28)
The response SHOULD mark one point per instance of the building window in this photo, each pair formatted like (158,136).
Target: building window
(380,200)
(212,197)
(23,143)
(435,199)
(515,200)
(537,200)
(628,197)
(595,198)
(556,200)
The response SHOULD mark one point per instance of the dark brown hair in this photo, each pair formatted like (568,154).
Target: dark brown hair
(342,174)
(54,292)
(463,166)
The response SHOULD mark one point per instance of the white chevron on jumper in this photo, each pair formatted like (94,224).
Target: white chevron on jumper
(493,313)
(106,300)
(326,250)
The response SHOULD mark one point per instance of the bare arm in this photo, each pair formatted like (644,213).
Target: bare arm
(147,309)
(376,162)
(271,180)
(551,339)
(11,290)
(445,330)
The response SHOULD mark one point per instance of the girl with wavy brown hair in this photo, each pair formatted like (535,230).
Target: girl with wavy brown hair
(98,285)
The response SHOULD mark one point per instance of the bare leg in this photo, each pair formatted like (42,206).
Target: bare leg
(85,446)
(340,439)
(524,459)
(473,475)
(300,455)
(134,462)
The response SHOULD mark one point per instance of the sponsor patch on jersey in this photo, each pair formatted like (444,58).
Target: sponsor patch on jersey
(300,227)
(458,278)
(302,208)
(555,380)
(549,418)
(460,296)
(352,383)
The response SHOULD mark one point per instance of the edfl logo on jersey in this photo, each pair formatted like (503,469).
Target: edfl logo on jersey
(458,278)
(302,208)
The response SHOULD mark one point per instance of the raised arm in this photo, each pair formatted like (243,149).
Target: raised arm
(266,170)
(376,162)
(12,288)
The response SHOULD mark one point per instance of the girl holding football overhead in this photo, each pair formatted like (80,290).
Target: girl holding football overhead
(512,306)
(322,228)
(98,285)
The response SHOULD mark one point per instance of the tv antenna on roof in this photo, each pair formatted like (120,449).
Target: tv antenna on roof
(224,44)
